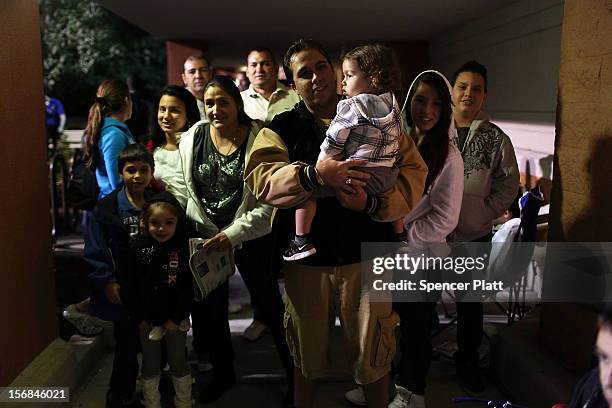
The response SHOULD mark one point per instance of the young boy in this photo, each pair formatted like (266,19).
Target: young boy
(107,247)
(594,390)
(366,128)
(491,181)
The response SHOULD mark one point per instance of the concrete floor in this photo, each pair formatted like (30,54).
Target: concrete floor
(260,377)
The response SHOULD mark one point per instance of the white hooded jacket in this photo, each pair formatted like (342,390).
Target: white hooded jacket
(252,219)
(436,215)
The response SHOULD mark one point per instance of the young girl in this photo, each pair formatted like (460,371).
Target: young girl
(177,111)
(431,221)
(106,134)
(366,127)
(160,296)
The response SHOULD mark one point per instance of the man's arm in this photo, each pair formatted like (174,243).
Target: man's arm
(62,123)
(62,116)
(504,179)
(271,177)
(408,189)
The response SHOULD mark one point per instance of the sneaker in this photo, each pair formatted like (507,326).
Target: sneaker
(255,331)
(295,251)
(356,397)
(82,322)
(79,340)
(406,399)
(156,333)
(234,308)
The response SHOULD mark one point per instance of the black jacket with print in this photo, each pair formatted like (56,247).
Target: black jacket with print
(160,281)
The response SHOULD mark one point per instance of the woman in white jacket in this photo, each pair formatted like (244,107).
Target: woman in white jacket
(429,119)
(221,208)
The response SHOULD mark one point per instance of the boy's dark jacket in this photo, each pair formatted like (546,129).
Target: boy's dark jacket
(587,393)
(107,248)
(159,283)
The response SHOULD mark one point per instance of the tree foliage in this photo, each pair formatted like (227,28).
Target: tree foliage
(84,43)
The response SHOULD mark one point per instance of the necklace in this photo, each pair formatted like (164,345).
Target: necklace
(218,145)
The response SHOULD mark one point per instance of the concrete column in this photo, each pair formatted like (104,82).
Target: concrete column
(27,291)
(582,186)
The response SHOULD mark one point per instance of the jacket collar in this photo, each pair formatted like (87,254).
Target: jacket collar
(108,121)
(280,88)
(303,111)
(481,119)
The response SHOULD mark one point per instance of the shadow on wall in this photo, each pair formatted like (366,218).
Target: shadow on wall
(594,224)
(560,321)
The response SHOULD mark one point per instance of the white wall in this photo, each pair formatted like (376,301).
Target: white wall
(520,46)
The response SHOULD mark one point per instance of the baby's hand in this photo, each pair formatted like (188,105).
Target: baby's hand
(170,327)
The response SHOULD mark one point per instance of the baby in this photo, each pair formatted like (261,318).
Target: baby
(366,127)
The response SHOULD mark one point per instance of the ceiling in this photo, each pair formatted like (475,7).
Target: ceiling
(232,26)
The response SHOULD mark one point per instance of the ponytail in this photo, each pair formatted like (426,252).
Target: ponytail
(110,99)
(92,134)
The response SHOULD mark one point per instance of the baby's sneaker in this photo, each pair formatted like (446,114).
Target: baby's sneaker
(299,250)
(156,333)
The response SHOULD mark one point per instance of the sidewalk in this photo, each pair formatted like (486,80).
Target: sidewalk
(260,376)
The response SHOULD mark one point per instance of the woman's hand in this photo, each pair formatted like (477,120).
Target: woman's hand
(338,174)
(219,242)
(170,327)
(112,291)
